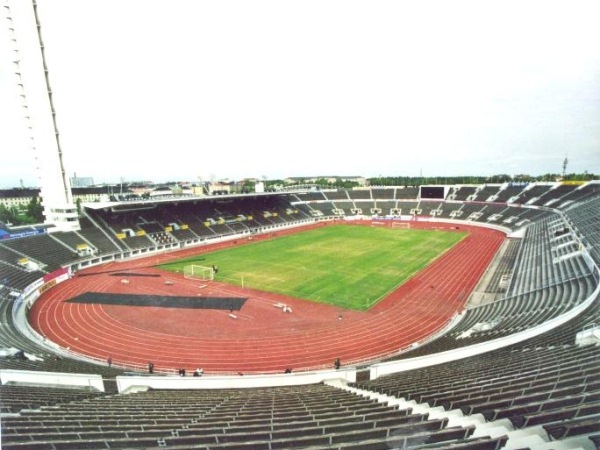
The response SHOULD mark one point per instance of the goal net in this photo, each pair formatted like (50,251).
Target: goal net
(404,225)
(198,272)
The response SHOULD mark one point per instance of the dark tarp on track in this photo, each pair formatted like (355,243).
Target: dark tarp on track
(160,301)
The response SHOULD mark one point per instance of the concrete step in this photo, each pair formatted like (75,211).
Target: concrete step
(575,443)
(532,437)
(494,429)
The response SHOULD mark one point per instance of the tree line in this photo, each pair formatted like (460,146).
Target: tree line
(22,215)
(438,180)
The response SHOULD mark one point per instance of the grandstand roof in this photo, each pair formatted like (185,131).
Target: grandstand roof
(153,201)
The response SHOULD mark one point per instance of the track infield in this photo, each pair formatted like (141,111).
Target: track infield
(261,337)
(351,267)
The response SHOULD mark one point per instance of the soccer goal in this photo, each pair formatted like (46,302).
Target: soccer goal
(198,272)
(404,225)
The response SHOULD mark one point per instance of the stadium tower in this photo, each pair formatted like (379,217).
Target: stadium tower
(32,80)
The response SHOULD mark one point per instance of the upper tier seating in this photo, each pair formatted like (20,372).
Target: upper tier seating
(309,196)
(407,193)
(104,242)
(552,196)
(579,195)
(360,194)
(383,193)
(508,194)
(43,249)
(533,192)
(584,217)
(483,194)
(462,193)
(338,194)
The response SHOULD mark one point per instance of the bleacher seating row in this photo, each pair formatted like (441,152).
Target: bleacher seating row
(504,271)
(546,384)
(316,416)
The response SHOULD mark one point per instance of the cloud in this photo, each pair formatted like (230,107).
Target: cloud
(272,88)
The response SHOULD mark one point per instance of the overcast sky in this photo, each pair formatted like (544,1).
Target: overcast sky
(154,90)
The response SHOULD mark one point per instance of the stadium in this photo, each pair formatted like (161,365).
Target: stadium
(424,367)
(437,316)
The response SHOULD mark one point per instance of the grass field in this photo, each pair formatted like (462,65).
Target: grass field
(349,266)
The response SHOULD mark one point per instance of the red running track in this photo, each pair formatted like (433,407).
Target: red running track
(262,338)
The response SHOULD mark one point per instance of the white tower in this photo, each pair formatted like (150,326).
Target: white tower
(32,80)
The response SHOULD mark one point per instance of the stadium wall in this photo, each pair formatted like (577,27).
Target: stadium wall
(128,384)
(8,376)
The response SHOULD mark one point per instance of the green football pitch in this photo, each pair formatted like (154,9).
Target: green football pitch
(349,266)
